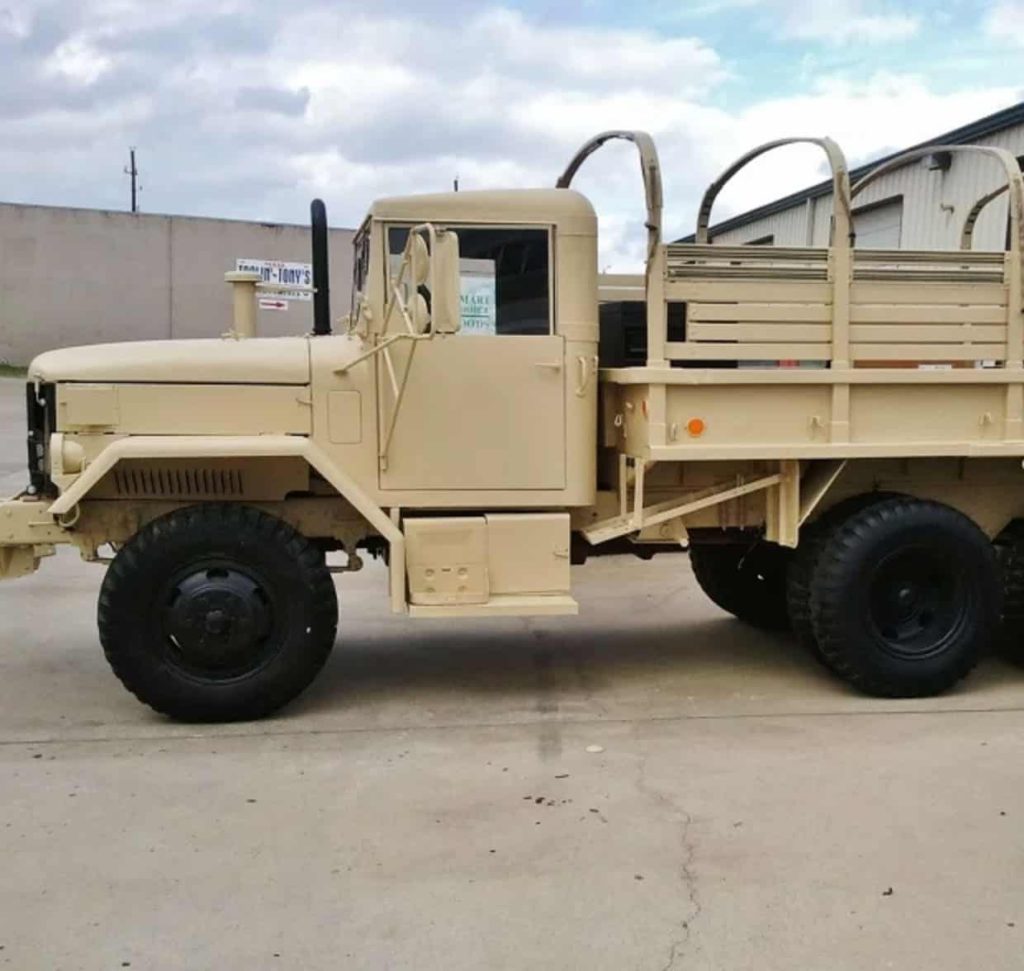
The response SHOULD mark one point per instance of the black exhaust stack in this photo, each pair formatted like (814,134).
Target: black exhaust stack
(321,274)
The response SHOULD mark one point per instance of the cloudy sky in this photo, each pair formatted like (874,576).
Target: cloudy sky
(247,108)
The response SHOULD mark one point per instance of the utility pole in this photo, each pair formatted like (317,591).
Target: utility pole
(132,171)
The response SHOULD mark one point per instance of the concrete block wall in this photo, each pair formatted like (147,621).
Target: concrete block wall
(86,276)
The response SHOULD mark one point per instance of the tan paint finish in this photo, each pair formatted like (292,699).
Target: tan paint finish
(528,553)
(500,565)
(390,423)
(186,409)
(85,406)
(498,423)
(485,422)
(447,560)
(238,479)
(345,417)
(570,212)
(24,520)
(269,360)
(503,605)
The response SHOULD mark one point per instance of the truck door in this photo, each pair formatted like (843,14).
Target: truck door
(484,409)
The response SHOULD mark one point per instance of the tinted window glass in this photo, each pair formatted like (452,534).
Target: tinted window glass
(506,272)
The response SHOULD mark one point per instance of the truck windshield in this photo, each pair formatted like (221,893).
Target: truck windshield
(505,277)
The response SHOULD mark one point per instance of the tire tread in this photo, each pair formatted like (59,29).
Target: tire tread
(146,546)
(827,592)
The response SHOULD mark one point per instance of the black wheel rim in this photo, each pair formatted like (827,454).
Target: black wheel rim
(218,621)
(918,602)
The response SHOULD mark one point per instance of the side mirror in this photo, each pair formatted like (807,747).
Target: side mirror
(419,313)
(446,285)
(419,261)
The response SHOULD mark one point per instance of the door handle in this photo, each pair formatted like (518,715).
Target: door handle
(550,365)
(586,367)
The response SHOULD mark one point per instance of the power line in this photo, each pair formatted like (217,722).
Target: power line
(132,171)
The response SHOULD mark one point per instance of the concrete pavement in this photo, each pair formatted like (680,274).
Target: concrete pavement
(431,803)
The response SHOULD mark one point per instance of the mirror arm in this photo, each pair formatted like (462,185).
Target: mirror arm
(399,397)
(406,317)
(390,366)
(377,349)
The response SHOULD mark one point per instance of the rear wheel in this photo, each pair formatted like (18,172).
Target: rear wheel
(1009,546)
(798,585)
(803,564)
(904,597)
(748,580)
(217,613)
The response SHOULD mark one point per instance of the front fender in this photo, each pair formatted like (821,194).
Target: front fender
(260,446)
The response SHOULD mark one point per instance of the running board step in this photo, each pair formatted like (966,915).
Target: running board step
(509,605)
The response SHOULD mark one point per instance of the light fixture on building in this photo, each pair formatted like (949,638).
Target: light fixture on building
(938,161)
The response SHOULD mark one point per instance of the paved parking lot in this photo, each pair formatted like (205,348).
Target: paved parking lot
(431,804)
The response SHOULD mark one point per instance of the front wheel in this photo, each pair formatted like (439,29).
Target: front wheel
(217,613)
(904,597)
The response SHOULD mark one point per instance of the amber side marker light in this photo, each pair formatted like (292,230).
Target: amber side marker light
(695,426)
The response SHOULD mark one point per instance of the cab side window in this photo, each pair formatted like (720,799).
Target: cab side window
(505,278)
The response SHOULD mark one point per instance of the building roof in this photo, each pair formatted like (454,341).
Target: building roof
(965,135)
(143,216)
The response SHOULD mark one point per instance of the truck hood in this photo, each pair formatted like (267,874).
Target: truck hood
(272,360)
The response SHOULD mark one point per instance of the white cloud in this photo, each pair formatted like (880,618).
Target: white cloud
(868,118)
(380,103)
(602,58)
(1004,22)
(14,22)
(78,61)
(846,21)
(831,21)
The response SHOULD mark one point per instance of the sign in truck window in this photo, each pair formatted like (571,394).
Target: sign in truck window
(479,297)
(281,273)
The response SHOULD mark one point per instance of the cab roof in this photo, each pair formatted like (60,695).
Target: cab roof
(566,209)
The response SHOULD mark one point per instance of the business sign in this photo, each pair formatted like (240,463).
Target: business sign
(281,273)
(479,298)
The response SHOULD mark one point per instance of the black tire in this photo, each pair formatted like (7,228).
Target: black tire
(905,598)
(748,580)
(217,613)
(798,585)
(803,564)
(1009,546)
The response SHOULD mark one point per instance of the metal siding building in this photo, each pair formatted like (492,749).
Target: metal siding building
(914,207)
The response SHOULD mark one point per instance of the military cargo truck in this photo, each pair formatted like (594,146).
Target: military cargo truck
(493,411)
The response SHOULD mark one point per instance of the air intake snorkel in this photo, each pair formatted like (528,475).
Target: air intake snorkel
(321,273)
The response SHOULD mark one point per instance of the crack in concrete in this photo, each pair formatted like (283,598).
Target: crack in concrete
(687,874)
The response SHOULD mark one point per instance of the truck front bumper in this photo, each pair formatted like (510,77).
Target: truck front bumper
(27,533)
